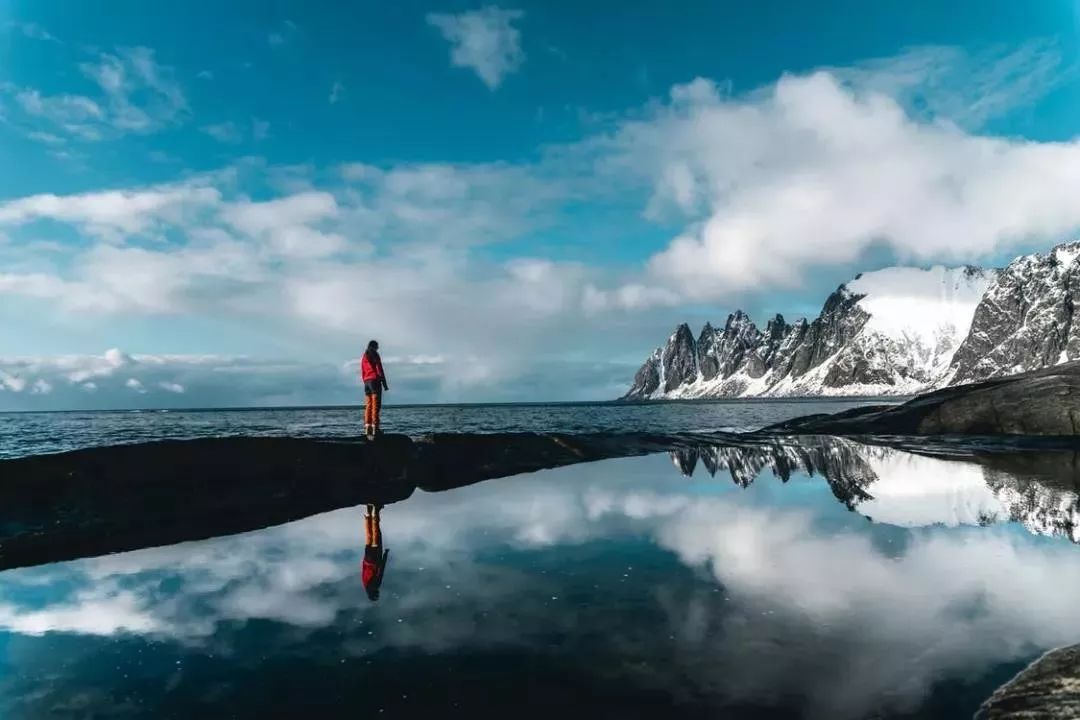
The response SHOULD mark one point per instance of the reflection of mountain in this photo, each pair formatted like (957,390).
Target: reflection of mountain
(1043,509)
(841,462)
(1035,488)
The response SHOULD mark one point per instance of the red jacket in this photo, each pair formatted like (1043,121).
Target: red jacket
(371,368)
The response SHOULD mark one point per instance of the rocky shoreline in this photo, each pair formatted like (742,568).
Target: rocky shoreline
(1048,689)
(111,499)
(1038,403)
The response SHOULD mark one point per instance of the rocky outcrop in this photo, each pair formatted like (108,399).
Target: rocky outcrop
(1041,402)
(110,499)
(1048,689)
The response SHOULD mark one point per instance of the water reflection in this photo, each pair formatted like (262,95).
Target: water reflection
(618,582)
(1038,489)
(375,555)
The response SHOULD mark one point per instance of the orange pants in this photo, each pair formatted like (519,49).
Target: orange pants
(372,531)
(372,406)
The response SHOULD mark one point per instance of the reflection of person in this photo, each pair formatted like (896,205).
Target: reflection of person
(371,372)
(374,563)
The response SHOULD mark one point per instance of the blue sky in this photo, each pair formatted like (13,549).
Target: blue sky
(203,205)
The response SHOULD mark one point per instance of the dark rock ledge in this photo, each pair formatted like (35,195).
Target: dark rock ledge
(111,499)
(1041,402)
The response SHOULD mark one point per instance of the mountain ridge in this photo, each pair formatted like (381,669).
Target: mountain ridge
(897,331)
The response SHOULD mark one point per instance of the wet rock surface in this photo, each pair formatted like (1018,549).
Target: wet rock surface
(1041,402)
(1048,689)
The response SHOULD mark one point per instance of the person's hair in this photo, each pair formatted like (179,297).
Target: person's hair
(373,345)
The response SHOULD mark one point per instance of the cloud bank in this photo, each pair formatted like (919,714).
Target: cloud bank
(763,190)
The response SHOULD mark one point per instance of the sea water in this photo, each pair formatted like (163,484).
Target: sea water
(31,433)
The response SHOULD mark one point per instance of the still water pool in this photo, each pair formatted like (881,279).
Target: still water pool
(828,579)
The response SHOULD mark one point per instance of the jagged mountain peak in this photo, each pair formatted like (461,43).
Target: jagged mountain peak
(888,331)
(1026,318)
(893,331)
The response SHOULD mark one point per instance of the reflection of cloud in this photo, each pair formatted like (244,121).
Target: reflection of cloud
(891,619)
(951,600)
(913,490)
(89,613)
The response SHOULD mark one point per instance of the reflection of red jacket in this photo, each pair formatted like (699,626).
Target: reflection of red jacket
(371,367)
(373,566)
(368,571)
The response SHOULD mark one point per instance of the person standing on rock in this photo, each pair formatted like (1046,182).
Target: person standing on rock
(371,372)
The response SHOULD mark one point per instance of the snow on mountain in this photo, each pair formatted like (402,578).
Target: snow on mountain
(1026,318)
(929,311)
(888,332)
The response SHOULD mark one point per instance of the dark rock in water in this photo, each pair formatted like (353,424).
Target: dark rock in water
(1041,402)
(110,499)
(1048,689)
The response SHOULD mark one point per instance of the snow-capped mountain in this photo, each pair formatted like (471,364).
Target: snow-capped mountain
(888,332)
(1026,318)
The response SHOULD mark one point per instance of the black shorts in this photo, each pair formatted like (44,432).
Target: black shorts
(372,387)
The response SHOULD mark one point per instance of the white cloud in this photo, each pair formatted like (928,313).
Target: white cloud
(74,114)
(32,30)
(258,218)
(115,379)
(12,382)
(260,129)
(287,224)
(134,73)
(114,213)
(282,36)
(232,133)
(336,91)
(811,173)
(137,95)
(47,138)
(226,132)
(968,89)
(484,40)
